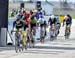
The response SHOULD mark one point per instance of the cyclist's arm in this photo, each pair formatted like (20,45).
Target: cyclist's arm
(22,24)
(63,22)
(49,20)
(13,27)
(17,16)
(14,23)
(36,21)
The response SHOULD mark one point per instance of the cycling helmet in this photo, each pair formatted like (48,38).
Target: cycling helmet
(52,16)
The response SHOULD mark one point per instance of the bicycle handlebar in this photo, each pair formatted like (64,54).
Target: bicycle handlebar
(15,31)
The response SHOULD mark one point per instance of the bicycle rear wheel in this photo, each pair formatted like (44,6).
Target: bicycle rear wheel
(16,46)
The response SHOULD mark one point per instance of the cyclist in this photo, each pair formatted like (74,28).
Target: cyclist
(27,20)
(12,13)
(42,29)
(68,21)
(24,16)
(17,28)
(19,15)
(52,21)
(18,24)
(33,23)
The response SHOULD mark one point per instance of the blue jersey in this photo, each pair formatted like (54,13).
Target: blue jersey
(39,15)
(19,16)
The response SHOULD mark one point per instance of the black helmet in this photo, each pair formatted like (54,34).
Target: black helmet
(32,17)
(18,20)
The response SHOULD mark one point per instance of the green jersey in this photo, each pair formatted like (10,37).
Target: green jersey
(34,21)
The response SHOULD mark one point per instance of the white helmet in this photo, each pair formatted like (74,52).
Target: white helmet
(52,16)
(35,11)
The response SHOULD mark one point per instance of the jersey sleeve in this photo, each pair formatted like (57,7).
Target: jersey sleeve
(14,24)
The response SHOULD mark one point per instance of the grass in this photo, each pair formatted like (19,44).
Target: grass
(73,16)
(9,14)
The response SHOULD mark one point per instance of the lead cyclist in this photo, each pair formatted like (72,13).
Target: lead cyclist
(17,28)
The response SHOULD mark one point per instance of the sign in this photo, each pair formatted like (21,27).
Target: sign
(4,13)
(22,5)
(38,4)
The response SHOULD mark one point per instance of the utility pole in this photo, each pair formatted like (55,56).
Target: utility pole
(3,21)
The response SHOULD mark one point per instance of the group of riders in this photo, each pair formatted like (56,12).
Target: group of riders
(27,22)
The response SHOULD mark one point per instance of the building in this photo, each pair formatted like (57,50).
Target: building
(46,6)
(61,9)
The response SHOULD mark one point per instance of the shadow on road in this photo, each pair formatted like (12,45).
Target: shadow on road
(55,47)
(40,51)
(6,48)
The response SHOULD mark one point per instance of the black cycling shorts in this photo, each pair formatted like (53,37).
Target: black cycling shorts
(33,25)
(25,26)
(18,27)
(41,25)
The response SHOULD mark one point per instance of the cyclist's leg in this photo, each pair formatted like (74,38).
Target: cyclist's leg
(40,33)
(45,30)
(67,32)
(56,29)
(43,39)
(34,29)
(24,41)
(32,37)
(52,32)
(28,40)
(19,39)
(67,29)
(32,42)
(42,36)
